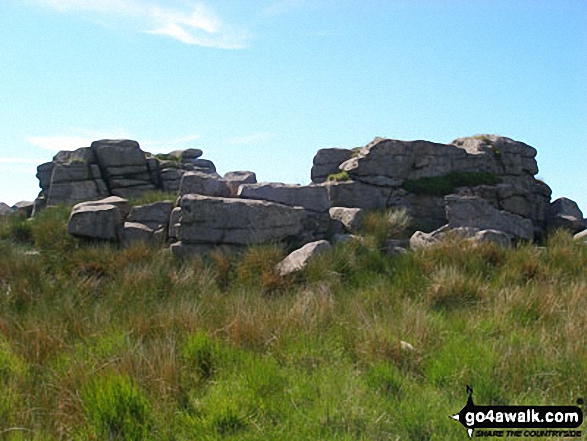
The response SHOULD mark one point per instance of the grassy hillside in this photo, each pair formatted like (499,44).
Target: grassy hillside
(101,343)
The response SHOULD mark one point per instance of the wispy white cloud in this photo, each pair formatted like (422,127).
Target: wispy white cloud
(190,22)
(251,139)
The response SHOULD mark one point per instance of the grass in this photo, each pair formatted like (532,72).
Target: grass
(443,185)
(339,177)
(102,343)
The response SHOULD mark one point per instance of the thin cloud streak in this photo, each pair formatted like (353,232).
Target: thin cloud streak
(193,24)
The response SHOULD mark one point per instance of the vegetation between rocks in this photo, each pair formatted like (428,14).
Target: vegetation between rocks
(98,342)
(444,185)
(339,177)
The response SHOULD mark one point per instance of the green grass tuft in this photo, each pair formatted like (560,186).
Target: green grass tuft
(444,185)
(339,177)
(117,408)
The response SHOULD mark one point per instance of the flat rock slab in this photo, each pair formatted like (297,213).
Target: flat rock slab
(95,221)
(118,153)
(203,184)
(122,204)
(299,259)
(310,197)
(206,219)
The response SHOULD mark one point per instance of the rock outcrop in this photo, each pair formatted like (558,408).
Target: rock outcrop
(416,175)
(482,187)
(114,168)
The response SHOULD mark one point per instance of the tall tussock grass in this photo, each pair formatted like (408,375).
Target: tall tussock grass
(98,342)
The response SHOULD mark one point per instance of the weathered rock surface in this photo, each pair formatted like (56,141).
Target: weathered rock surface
(474,212)
(204,184)
(216,220)
(492,236)
(565,213)
(310,197)
(313,198)
(298,260)
(24,207)
(235,179)
(95,221)
(354,194)
(424,240)
(120,203)
(5,209)
(133,232)
(174,223)
(327,161)
(581,237)
(351,219)
(154,216)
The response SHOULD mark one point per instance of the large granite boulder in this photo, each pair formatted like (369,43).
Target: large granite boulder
(235,179)
(101,220)
(298,260)
(327,161)
(503,156)
(350,219)
(421,240)
(204,184)
(5,209)
(215,220)
(474,212)
(125,167)
(565,213)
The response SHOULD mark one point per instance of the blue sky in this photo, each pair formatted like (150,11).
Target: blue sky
(262,85)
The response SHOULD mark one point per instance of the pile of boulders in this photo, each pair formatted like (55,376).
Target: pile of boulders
(235,210)
(378,174)
(114,168)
